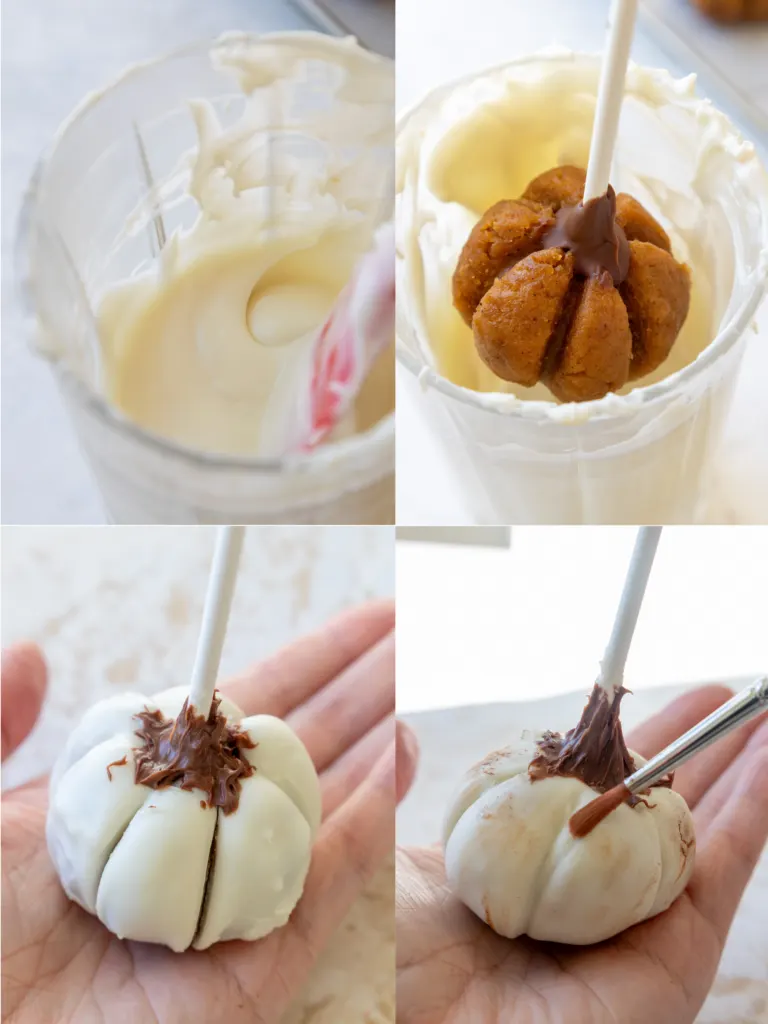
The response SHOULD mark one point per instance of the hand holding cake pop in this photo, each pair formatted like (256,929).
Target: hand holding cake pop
(175,819)
(337,684)
(647,974)
(510,854)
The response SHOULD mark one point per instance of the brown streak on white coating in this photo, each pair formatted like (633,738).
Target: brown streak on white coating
(588,817)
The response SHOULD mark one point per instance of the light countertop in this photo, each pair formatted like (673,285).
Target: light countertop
(117,609)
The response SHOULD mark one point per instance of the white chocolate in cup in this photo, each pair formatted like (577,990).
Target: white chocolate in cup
(169,393)
(644,455)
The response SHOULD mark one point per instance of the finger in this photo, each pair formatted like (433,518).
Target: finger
(24,681)
(694,779)
(353,844)
(733,845)
(676,718)
(720,792)
(289,677)
(337,716)
(407,759)
(348,771)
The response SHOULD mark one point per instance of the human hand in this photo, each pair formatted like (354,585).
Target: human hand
(452,969)
(336,690)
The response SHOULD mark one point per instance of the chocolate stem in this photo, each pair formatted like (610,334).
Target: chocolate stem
(591,232)
(193,752)
(594,751)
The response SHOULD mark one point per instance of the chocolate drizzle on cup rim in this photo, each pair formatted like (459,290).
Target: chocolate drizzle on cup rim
(193,752)
(594,751)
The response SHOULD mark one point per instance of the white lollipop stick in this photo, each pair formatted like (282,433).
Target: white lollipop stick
(218,601)
(610,94)
(612,665)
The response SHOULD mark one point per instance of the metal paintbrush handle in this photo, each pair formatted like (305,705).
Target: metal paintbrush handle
(730,716)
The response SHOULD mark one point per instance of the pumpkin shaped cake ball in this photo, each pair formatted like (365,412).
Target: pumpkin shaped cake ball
(510,855)
(183,829)
(584,297)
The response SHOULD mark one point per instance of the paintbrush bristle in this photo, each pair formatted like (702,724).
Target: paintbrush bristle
(586,818)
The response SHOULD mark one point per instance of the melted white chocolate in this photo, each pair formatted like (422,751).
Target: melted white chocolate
(484,139)
(211,346)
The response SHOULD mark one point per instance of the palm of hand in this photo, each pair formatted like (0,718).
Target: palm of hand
(475,975)
(453,969)
(336,689)
(52,946)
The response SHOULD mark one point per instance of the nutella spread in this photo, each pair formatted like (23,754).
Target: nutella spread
(193,752)
(590,231)
(594,752)
(116,764)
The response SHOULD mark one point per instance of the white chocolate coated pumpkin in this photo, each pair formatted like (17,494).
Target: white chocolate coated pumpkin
(510,856)
(138,858)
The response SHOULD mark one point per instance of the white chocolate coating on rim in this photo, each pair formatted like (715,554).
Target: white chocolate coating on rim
(211,347)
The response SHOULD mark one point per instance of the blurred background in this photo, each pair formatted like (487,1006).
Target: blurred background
(437,41)
(524,614)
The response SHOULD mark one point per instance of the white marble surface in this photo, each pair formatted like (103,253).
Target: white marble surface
(740,992)
(430,488)
(119,607)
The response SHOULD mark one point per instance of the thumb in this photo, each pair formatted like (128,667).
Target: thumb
(23,683)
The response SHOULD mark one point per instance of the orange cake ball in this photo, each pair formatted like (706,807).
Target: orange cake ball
(584,297)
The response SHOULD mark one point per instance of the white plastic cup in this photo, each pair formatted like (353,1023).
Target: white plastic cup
(644,458)
(73,246)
